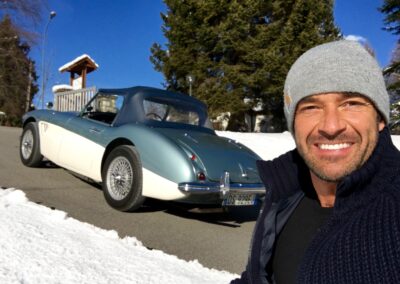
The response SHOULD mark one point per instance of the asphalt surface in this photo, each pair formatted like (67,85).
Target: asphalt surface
(217,240)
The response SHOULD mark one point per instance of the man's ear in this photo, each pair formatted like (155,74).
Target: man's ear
(381,125)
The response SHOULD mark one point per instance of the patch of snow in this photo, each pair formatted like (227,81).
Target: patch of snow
(61,88)
(83,56)
(267,145)
(41,245)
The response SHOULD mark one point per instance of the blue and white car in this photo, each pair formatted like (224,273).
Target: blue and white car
(144,142)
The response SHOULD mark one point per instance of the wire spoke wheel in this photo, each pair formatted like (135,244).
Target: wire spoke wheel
(27,144)
(119,178)
(29,147)
(122,179)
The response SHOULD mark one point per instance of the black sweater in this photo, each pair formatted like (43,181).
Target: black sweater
(359,243)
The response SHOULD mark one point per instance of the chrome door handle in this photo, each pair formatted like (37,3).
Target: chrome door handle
(94,130)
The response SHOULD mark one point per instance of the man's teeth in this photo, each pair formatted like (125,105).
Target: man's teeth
(333,146)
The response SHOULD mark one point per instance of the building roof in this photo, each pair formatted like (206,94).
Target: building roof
(79,63)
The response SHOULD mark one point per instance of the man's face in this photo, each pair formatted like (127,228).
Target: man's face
(335,133)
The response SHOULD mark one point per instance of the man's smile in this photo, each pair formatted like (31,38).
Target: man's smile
(338,146)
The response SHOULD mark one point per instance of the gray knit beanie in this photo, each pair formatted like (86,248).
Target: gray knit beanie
(339,66)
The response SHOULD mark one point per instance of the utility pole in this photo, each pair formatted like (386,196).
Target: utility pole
(28,89)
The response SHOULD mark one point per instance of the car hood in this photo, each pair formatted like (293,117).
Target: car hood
(217,154)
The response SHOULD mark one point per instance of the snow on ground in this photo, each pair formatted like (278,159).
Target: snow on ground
(41,245)
(267,145)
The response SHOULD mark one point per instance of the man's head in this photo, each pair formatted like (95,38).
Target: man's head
(335,104)
(339,66)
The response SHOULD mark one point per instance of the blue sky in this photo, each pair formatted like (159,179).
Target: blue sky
(118,36)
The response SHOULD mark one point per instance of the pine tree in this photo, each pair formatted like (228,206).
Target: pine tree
(392,75)
(392,19)
(17,75)
(391,8)
(298,26)
(239,52)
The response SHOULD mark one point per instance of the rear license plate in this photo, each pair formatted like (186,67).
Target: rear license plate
(239,199)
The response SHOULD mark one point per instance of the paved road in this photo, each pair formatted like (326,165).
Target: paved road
(217,240)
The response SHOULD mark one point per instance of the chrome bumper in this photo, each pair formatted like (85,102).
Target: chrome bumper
(223,187)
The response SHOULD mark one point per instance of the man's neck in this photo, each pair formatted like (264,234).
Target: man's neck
(326,191)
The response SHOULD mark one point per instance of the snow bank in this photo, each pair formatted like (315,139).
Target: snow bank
(41,245)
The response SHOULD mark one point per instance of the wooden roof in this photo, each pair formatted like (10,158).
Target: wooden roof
(79,64)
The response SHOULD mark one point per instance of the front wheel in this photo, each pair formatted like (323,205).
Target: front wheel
(122,179)
(29,149)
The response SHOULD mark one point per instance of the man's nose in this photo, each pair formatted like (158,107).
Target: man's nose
(331,123)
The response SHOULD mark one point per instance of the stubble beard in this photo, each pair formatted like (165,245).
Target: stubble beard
(320,167)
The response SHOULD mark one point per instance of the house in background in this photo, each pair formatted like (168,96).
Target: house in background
(74,96)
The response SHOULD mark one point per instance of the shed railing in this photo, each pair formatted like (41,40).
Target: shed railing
(73,100)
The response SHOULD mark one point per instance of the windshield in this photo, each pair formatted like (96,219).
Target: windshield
(103,107)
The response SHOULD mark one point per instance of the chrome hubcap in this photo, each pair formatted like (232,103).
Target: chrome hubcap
(27,144)
(119,178)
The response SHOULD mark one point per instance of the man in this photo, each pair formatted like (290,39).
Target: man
(332,207)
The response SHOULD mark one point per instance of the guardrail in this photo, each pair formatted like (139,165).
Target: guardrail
(73,100)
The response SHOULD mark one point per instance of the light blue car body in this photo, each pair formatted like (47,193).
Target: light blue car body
(178,152)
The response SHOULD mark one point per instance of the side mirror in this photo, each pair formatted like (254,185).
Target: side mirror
(49,105)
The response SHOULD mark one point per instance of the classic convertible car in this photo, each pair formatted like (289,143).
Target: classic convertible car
(144,142)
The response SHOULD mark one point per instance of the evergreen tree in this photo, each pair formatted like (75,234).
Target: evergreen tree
(391,9)
(392,19)
(392,75)
(239,52)
(25,15)
(17,76)
(294,26)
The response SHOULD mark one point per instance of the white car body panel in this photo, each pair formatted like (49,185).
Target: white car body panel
(156,186)
(70,150)
(50,140)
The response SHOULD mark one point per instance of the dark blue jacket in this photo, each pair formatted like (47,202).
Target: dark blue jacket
(359,243)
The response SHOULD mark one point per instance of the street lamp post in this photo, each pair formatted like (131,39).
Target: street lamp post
(190,79)
(51,16)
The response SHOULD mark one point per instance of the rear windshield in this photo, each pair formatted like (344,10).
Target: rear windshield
(175,113)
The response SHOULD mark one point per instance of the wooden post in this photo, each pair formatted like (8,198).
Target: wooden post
(71,78)
(84,71)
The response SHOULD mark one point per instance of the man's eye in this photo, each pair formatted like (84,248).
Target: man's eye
(309,108)
(354,105)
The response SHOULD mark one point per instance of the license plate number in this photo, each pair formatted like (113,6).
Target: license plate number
(239,199)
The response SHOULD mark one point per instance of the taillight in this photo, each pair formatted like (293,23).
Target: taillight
(201,176)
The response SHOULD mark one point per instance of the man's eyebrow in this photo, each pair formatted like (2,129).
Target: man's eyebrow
(309,99)
(314,98)
(354,95)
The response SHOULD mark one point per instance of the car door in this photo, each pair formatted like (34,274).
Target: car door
(83,148)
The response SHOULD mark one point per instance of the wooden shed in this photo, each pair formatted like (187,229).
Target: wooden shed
(79,68)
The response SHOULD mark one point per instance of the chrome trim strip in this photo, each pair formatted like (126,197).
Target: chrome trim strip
(206,188)
(223,187)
